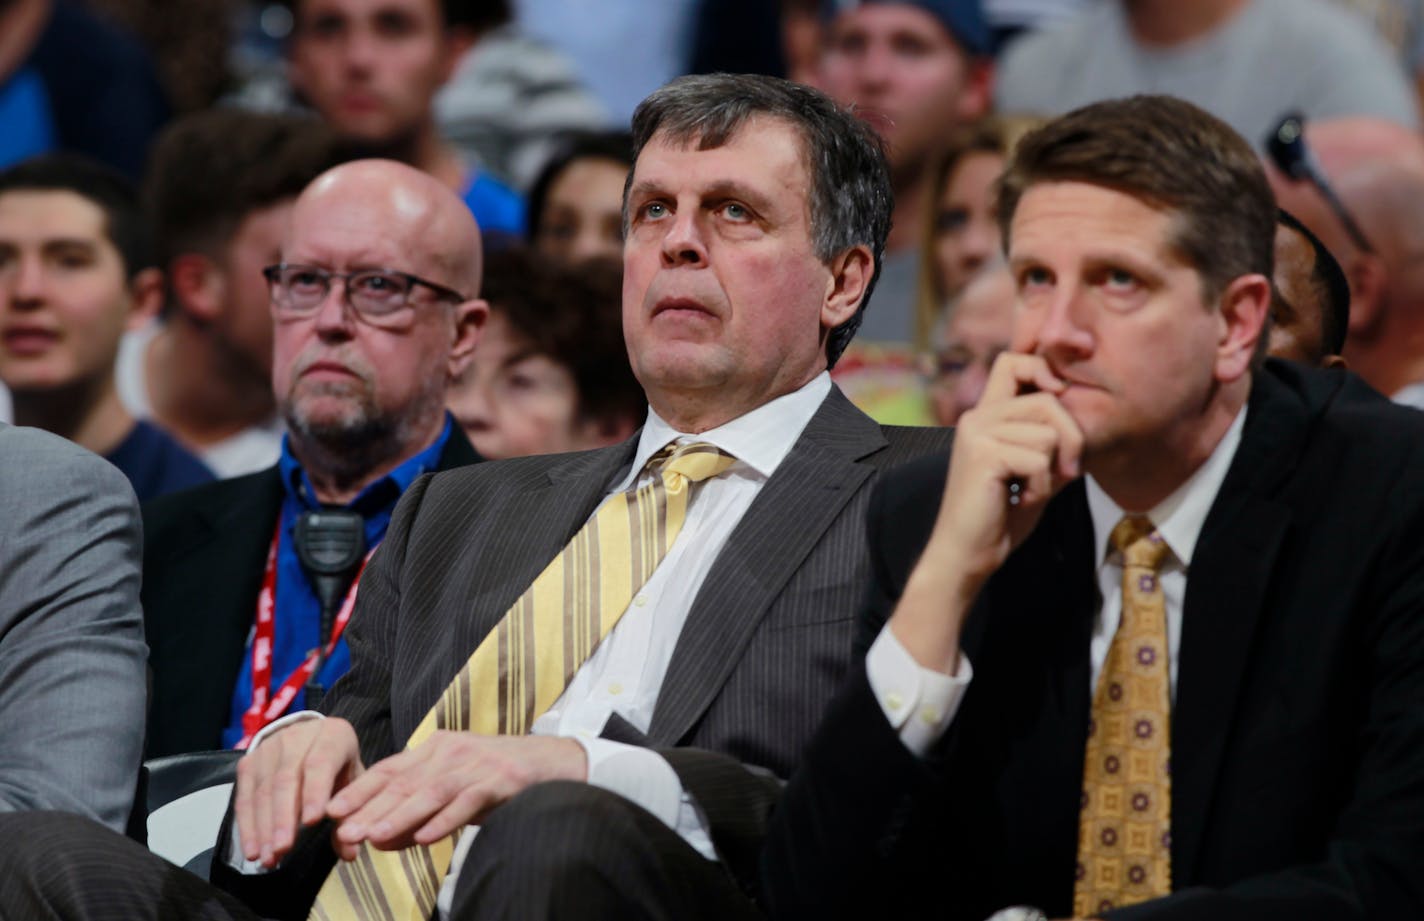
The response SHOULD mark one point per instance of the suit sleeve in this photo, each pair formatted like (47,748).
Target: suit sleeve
(72,654)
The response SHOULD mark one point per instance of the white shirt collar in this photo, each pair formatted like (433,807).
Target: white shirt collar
(760,439)
(1180,516)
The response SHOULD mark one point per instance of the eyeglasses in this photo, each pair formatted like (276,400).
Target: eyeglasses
(379,296)
(1287,148)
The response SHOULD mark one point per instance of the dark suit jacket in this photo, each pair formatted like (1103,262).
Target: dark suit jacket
(764,647)
(205,550)
(1298,727)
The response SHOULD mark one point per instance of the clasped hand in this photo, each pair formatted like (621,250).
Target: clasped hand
(312,770)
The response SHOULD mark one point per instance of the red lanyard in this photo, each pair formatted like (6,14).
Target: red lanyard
(266,706)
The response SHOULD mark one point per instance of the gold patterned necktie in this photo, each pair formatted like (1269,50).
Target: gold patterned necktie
(524,664)
(1124,830)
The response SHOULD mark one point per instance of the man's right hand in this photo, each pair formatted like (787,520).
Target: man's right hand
(286,782)
(1019,433)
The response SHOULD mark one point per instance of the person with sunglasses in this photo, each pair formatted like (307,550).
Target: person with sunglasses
(374,311)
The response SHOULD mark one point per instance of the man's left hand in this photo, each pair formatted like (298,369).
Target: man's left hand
(450,780)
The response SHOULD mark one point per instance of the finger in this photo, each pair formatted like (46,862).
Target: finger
(1013,374)
(1032,469)
(357,825)
(278,808)
(397,827)
(468,808)
(243,810)
(1038,436)
(345,850)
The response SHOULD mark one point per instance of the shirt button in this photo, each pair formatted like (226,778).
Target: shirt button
(615,689)
(929,716)
(894,701)
(640,601)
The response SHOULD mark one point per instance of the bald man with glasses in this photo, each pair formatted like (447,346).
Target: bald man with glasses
(375,310)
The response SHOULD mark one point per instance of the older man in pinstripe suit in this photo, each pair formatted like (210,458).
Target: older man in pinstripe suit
(756,214)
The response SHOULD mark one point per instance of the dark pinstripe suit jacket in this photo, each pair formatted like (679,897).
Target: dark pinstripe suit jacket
(765,645)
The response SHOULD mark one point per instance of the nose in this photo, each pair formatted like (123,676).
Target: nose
(977,244)
(874,67)
(359,50)
(970,386)
(1057,329)
(683,243)
(469,401)
(26,283)
(334,318)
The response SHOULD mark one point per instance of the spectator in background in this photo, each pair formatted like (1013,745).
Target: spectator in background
(975,329)
(1377,169)
(1310,306)
(961,233)
(76,270)
(1246,61)
(72,81)
(220,190)
(71,631)
(511,98)
(917,69)
(551,373)
(372,71)
(576,203)
(360,367)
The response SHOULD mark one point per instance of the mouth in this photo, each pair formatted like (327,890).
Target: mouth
(680,306)
(28,340)
(328,370)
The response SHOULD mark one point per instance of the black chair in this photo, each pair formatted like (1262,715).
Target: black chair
(183,800)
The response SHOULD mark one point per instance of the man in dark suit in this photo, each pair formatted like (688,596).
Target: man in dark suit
(362,390)
(1249,743)
(757,213)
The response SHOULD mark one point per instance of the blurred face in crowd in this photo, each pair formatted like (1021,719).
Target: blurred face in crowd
(979,327)
(344,378)
(583,213)
(1106,299)
(246,319)
(724,297)
(371,67)
(64,299)
(514,401)
(899,63)
(966,230)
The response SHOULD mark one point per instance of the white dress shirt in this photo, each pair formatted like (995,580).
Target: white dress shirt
(626,671)
(905,688)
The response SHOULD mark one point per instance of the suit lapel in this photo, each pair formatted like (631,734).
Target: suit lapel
(1226,588)
(785,521)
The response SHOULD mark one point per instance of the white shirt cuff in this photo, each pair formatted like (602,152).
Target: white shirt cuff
(644,777)
(919,702)
(234,842)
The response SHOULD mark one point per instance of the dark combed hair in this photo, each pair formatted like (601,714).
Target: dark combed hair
(1171,155)
(125,222)
(210,170)
(573,314)
(1331,286)
(616,146)
(851,199)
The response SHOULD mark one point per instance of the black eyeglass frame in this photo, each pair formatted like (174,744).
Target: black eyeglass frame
(273,275)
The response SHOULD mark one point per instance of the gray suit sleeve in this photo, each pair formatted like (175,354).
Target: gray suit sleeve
(72,681)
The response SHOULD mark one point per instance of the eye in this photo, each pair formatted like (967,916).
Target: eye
(1034,277)
(736,211)
(655,210)
(951,220)
(1120,281)
(299,279)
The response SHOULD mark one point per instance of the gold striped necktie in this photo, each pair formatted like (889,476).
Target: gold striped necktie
(524,664)
(1124,829)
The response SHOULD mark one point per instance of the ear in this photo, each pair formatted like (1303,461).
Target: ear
(1369,283)
(1243,308)
(978,92)
(458,41)
(469,318)
(146,297)
(851,272)
(197,284)
(1334,361)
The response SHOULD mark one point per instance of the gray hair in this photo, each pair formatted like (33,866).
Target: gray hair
(851,198)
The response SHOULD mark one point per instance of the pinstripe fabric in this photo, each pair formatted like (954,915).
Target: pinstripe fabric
(522,667)
(765,645)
